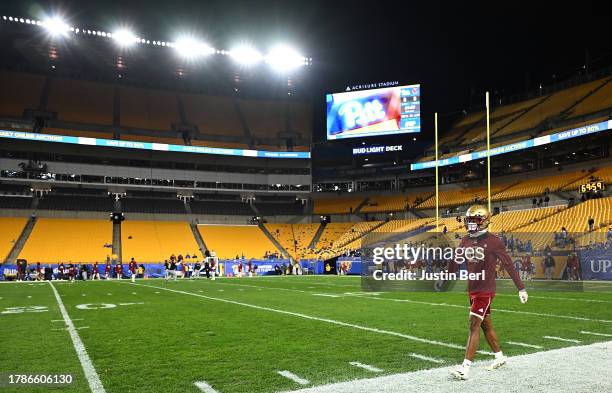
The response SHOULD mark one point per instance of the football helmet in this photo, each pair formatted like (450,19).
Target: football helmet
(477,219)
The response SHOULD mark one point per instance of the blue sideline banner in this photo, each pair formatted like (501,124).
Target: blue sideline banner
(596,264)
(539,141)
(32,136)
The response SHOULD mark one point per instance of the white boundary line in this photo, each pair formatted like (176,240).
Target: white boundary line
(204,387)
(327,320)
(293,377)
(366,367)
(95,385)
(568,340)
(524,344)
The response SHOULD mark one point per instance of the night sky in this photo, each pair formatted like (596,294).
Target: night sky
(456,50)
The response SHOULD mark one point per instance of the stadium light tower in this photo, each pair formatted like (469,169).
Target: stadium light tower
(245,55)
(56,26)
(284,58)
(191,48)
(125,38)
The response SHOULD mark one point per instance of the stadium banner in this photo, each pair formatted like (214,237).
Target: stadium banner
(32,136)
(539,141)
(261,267)
(227,268)
(596,264)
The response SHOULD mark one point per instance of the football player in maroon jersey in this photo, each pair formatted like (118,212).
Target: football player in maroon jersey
(482,291)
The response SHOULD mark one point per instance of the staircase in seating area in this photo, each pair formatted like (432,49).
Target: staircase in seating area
(362,234)
(316,237)
(362,204)
(280,248)
(117,240)
(25,234)
(198,237)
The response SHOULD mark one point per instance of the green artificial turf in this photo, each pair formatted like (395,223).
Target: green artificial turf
(236,334)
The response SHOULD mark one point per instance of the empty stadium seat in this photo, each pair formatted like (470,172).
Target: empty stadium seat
(574,219)
(599,100)
(229,241)
(19,92)
(393,203)
(212,115)
(148,109)
(336,205)
(264,118)
(81,101)
(56,240)
(155,241)
(295,238)
(10,230)
(554,105)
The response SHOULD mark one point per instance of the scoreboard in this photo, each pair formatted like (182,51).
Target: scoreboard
(374,112)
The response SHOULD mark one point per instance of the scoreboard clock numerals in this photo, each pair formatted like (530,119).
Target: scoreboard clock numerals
(592,186)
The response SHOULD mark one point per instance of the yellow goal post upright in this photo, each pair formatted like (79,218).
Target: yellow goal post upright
(488,154)
(436,158)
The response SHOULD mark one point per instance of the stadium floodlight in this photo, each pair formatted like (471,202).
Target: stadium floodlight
(56,26)
(125,38)
(284,58)
(191,48)
(246,55)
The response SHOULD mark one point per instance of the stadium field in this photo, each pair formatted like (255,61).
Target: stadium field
(271,334)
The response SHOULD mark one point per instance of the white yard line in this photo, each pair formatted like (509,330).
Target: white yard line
(586,372)
(61,320)
(494,309)
(366,367)
(293,377)
(428,358)
(573,299)
(524,344)
(367,295)
(327,320)
(95,385)
(567,340)
(596,334)
(204,387)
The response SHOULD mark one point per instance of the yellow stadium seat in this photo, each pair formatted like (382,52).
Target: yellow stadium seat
(10,230)
(56,240)
(155,241)
(231,240)
(336,205)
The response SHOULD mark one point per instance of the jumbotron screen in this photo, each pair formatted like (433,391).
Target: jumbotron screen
(374,112)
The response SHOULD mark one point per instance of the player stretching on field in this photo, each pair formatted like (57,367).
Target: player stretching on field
(482,291)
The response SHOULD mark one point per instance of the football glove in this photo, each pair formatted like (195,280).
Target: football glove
(523,296)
